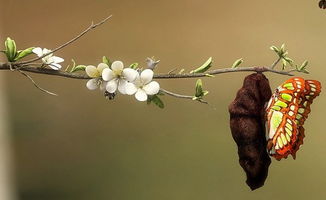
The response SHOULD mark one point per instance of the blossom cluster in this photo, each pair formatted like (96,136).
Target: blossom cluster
(111,78)
(125,80)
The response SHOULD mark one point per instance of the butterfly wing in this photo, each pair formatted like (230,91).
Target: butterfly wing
(282,129)
(312,90)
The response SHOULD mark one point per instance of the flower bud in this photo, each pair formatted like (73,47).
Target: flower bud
(11,49)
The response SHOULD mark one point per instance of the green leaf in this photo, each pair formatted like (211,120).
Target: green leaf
(11,49)
(134,66)
(284,54)
(78,68)
(195,98)
(303,65)
(156,100)
(283,48)
(205,93)
(305,71)
(274,48)
(181,71)
(209,75)
(106,60)
(237,63)
(199,88)
(288,60)
(204,66)
(23,53)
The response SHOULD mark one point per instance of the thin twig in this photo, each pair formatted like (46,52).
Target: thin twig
(294,70)
(182,96)
(92,26)
(35,84)
(172,70)
(276,62)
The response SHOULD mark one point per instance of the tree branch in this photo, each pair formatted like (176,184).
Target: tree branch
(39,70)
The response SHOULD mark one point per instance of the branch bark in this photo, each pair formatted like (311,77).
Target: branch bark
(38,70)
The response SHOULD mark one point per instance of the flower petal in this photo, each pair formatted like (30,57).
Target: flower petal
(111,86)
(152,88)
(57,59)
(55,66)
(103,85)
(122,86)
(141,95)
(129,74)
(108,74)
(130,88)
(38,51)
(102,66)
(46,51)
(117,66)
(92,84)
(146,76)
(91,71)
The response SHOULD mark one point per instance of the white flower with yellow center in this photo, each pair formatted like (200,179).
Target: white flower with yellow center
(118,77)
(143,86)
(95,73)
(50,60)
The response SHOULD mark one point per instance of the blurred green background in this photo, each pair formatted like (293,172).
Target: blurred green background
(80,146)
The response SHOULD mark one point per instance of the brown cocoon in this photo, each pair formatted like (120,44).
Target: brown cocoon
(247,122)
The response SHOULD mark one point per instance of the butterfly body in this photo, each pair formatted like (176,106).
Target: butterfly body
(286,113)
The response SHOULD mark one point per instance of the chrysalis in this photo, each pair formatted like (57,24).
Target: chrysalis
(247,123)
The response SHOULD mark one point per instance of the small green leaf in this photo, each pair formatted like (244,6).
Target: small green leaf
(78,68)
(303,65)
(23,53)
(106,60)
(195,98)
(134,66)
(205,93)
(284,54)
(209,75)
(288,60)
(11,49)
(283,48)
(199,88)
(181,71)
(156,100)
(237,63)
(204,67)
(274,48)
(305,71)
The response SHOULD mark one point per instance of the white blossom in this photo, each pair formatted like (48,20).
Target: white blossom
(143,86)
(50,60)
(95,73)
(117,77)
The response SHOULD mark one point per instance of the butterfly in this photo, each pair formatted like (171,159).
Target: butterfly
(286,112)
